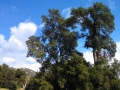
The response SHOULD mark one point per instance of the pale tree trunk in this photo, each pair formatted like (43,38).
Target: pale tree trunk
(94,56)
(24,86)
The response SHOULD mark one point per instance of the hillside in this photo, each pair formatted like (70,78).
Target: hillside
(29,71)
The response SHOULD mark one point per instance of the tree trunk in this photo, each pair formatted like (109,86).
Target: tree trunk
(23,86)
(95,55)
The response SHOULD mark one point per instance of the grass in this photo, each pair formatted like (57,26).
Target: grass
(20,89)
(8,89)
(3,89)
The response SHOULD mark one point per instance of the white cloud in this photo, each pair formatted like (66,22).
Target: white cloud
(31,59)
(8,59)
(111,4)
(2,40)
(23,31)
(14,50)
(117,55)
(41,25)
(89,57)
(66,12)
(34,66)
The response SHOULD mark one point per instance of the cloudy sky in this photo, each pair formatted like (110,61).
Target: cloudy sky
(20,19)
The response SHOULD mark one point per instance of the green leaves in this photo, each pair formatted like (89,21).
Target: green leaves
(11,78)
(35,48)
(63,67)
(97,23)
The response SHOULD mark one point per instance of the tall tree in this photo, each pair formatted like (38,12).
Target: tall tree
(64,68)
(97,23)
(56,43)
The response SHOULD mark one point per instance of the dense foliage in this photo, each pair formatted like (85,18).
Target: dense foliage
(12,78)
(63,67)
(97,23)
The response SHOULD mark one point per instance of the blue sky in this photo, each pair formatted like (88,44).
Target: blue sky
(20,19)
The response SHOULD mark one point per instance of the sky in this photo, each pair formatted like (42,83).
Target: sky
(20,19)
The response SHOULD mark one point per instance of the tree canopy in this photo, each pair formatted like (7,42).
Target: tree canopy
(12,78)
(97,23)
(56,44)
(63,66)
